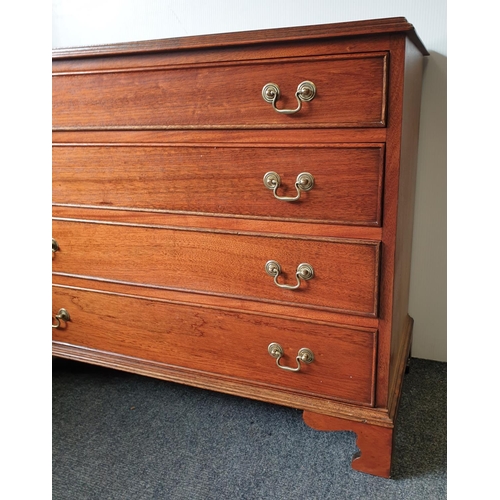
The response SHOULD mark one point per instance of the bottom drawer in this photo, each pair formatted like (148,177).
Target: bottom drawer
(226,343)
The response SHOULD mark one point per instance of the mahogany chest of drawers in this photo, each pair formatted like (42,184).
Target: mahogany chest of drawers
(235,212)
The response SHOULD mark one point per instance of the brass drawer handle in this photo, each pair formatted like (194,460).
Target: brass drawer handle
(55,247)
(62,315)
(304,272)
(305,92)
(304,182)
(304,355)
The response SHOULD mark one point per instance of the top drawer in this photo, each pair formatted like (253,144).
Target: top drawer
(350,92)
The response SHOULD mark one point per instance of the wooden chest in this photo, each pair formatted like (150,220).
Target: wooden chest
(235,212)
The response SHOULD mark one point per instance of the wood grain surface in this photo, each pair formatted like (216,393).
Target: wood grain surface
(374,442)
(233,265)
(224,179)
(354,31)
(208,340)
(164,225)
(351,92)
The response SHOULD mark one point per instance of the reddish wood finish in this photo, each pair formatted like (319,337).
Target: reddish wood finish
(404,230)
(201,339)
(399,185)
(222,179)
(350,93)
(278,137)
(164,224)
(218,382)
(374,442)
(226,224)
(345,272)
(224,303)
(355,32)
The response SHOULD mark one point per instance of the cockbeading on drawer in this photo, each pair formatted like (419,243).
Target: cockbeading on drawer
(350,91)
(222,342)
(225,179)
(223,263)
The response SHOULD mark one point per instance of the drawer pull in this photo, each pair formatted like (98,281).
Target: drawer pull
(304,355)
(55,246)
(305,92)
(62,315)
(304,182)
(304,272)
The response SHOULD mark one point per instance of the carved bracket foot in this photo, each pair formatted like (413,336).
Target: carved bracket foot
(374,442)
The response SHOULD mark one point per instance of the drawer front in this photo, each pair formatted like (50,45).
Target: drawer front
(230,344)
(225,180)
(350,92)
(225,264)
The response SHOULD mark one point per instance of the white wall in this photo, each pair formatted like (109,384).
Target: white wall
(89,22)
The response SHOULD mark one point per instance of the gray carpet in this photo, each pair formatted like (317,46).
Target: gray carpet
(123,436)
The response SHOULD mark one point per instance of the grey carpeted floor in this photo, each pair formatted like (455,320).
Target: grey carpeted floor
(123,436)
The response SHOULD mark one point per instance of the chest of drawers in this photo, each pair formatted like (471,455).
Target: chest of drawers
(235,212)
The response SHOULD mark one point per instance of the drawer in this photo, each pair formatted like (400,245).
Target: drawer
(230,344)
(350,92)
(222,263)
(225,180)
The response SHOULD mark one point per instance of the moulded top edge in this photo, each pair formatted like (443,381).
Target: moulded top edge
(297,33)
